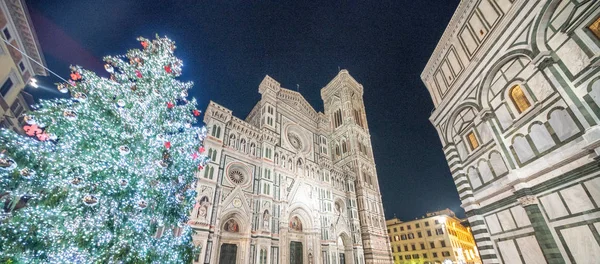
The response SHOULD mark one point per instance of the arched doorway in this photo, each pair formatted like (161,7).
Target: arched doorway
(341,250)
(345,252)
(228,252)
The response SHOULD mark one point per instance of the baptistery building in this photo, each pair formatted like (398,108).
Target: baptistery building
(288,184)
(516,90)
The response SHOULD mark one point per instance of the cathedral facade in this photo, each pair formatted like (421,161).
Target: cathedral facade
(516,89)
(289,184)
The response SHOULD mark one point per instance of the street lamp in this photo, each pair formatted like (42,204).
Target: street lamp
(33,83)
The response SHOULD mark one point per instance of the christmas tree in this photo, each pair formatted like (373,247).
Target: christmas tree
(107,176)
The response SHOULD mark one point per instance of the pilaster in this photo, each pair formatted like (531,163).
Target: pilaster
(542,231)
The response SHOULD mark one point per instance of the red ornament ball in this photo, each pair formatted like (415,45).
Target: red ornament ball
(170,105)
(144,44)
(196,112)
(75,76)
(168,145)
(138,74)
(168,69)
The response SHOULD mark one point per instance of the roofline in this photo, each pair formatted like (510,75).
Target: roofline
(445,39)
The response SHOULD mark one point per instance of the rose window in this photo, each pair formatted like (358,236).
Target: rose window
(295,141)
(236,176)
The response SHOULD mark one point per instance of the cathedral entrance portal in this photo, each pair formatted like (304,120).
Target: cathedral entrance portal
(295,252)
(228,254)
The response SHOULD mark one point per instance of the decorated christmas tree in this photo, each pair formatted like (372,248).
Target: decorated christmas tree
(107,176)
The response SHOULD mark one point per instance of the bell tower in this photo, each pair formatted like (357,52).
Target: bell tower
(350,144)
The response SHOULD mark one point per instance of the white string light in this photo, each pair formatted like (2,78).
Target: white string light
(32,59)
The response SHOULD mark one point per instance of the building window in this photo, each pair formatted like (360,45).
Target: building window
(395,230)
(419,234)
(208,172)
(417,225)
(413,247)
(396,238)
(519,99)
(473,143)
(6,87)
(428,232)
(426,223)
(411,236)
(437,222)
(422,245)
(439,231)
(405,248)
(21,66)
(446,254)
(401,228)
(415,256)
(443,243)
(408,227)
(407,257)
(595,27)
(432,244)
(399,249)
(337,118)
(424,255)
(403,237)
(6,34)
(434,254)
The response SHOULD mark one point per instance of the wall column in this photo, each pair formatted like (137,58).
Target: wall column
(541,229)
(485,246)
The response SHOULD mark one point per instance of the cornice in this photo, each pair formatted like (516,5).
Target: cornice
(457,19)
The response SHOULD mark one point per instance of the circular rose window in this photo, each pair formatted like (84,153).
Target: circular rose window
(236,176)
(295,140)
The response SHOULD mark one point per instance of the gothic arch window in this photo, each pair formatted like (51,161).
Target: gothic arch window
(213,131)
(231,226)
(291,164)
(520,101)
(277,158)
(337,150)
(209,172)
(243,145)
(296,224)
(344,146)
(337,118)
(263,256)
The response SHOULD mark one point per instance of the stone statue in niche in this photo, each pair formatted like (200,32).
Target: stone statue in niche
(266,218)
(232,226)
(202,207)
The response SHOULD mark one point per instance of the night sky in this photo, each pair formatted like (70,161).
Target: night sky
(228,48)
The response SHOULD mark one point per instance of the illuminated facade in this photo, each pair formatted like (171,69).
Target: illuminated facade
(15,69)
(516,89)
(289,184)
(434,239)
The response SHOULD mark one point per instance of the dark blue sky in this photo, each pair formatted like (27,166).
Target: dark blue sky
(227,49)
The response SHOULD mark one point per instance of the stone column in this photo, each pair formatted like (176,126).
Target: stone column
(485,246)
(541,229)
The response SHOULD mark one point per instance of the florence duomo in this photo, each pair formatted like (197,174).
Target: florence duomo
(291,185)
(310,132)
